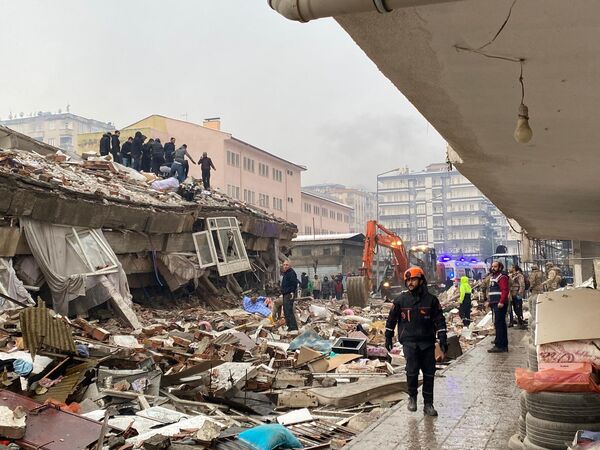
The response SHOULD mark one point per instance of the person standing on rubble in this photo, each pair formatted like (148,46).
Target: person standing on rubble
(147,155)
(169,152)
(105,144)
(206,165)
(136,150)
(317,286)
(464,310)
(115,147)
(177,167)
(338,287)
(498,293)
(419,318)
(326,288)
(517,291)
(304,285)
(126,152)
(158,156)
(289,288)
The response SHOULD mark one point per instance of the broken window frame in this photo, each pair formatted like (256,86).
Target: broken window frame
(74,241)
(219,250)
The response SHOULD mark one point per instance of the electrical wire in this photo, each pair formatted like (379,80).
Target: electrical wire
(501,27)
(521,81)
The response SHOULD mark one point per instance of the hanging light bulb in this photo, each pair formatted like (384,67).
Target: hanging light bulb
(523,132)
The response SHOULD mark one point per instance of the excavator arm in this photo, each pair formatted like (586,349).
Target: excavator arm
(378,235)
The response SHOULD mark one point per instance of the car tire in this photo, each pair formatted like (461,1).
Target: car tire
(528,445)
(565,407)
(554,435)
(515,443)
(522,428)
(523,403)
(532,358)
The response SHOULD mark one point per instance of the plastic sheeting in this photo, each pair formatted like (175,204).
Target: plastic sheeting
(10,285)
(75,289)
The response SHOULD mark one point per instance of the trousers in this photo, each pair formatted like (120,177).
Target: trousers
(517,304)
(420,358)
(206,179)
(465,310)
(501,340)
(288,312)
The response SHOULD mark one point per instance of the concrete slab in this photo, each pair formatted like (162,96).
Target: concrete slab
(477,401)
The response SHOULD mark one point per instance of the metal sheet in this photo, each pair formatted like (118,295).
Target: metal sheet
(68,384)
(50,428)
(40,330)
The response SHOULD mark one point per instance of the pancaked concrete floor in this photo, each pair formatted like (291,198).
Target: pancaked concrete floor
(477,401)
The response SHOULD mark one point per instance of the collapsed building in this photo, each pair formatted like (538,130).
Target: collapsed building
(82,233)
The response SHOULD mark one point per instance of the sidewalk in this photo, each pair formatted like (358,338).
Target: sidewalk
(477,401)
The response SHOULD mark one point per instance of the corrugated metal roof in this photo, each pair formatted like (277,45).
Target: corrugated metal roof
(40,330)
(327,237)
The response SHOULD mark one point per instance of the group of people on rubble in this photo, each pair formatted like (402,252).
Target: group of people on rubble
(152,156)
(329,287)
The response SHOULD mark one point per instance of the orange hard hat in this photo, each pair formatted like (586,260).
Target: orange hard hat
(414,272)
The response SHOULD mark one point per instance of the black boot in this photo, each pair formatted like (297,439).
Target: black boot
(429,410)
(412,404)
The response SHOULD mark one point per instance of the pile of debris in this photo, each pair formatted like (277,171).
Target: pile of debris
(197,378)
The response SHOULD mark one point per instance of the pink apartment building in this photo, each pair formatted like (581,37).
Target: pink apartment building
(321,215)
(243,171)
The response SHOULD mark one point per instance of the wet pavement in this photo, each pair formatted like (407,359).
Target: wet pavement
(477,401)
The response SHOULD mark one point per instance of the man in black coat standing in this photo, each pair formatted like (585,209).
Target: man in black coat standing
(169,152)
(105,144)
(137,150)
(115,148)
(158,156)
(126,152)
(420,318)
(205,165)
(289,288)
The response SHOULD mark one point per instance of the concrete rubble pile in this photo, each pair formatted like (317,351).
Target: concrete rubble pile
(196,377)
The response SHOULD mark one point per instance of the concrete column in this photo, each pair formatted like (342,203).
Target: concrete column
(577,263)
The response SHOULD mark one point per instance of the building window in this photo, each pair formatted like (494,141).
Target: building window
(306,252)
(51,141)
(93,251)
(346,218)
(316,210)
(66,141)
(263,170)
(422,236)
(277,175)
(233,159)
(249,164)
(249,196)
(327,251)
(263,200)
(289,172)
(308,230)
(233,191)
(332,215)
(277,204)
(421,209)
(307,208)
(422,222)
(339,217)
(290,200)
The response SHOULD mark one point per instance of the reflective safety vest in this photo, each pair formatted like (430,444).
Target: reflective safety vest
(494,292)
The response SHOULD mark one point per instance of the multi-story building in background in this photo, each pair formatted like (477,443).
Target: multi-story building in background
(59,130)
(321,215)
(243,171)
(363,203)
(441,209)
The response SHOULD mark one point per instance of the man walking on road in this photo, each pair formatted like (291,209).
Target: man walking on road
(498,292)
(205,165)
(289,287)
(419,317)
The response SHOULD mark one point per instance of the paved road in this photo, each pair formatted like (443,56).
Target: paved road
(477,400)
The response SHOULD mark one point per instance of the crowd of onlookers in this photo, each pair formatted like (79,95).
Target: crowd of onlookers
(150,155)
(328,287)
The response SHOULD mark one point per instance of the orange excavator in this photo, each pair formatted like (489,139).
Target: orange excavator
(377,235)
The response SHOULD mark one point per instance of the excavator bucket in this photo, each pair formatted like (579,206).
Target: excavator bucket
(358,290)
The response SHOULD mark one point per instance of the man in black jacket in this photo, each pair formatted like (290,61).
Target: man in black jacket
(205,165)
(420,318)
(158,156)
(115,148)
(147,155)
(169,152)
(289,287)
(126,152)
(136,150)
(105,144)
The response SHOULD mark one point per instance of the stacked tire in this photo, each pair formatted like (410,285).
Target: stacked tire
(532,360)
(553,418)
(516,441)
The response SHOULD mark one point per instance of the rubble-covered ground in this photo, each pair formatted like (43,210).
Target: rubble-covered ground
(202,370)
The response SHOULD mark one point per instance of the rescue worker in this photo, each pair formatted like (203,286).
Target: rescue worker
(177,168)
(498,293)
(536,280)
(553,278)
(464,311)
(517,291)
(419,318)
(206,165)
(289,288)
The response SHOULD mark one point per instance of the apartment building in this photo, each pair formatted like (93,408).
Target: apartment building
(243,171)
(321,215)
(363,203)
(59,130)
(441,208)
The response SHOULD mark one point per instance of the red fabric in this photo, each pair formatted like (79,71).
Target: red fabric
(503,284)
(579,379)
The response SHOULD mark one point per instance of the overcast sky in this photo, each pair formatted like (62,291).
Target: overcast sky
(305,92)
